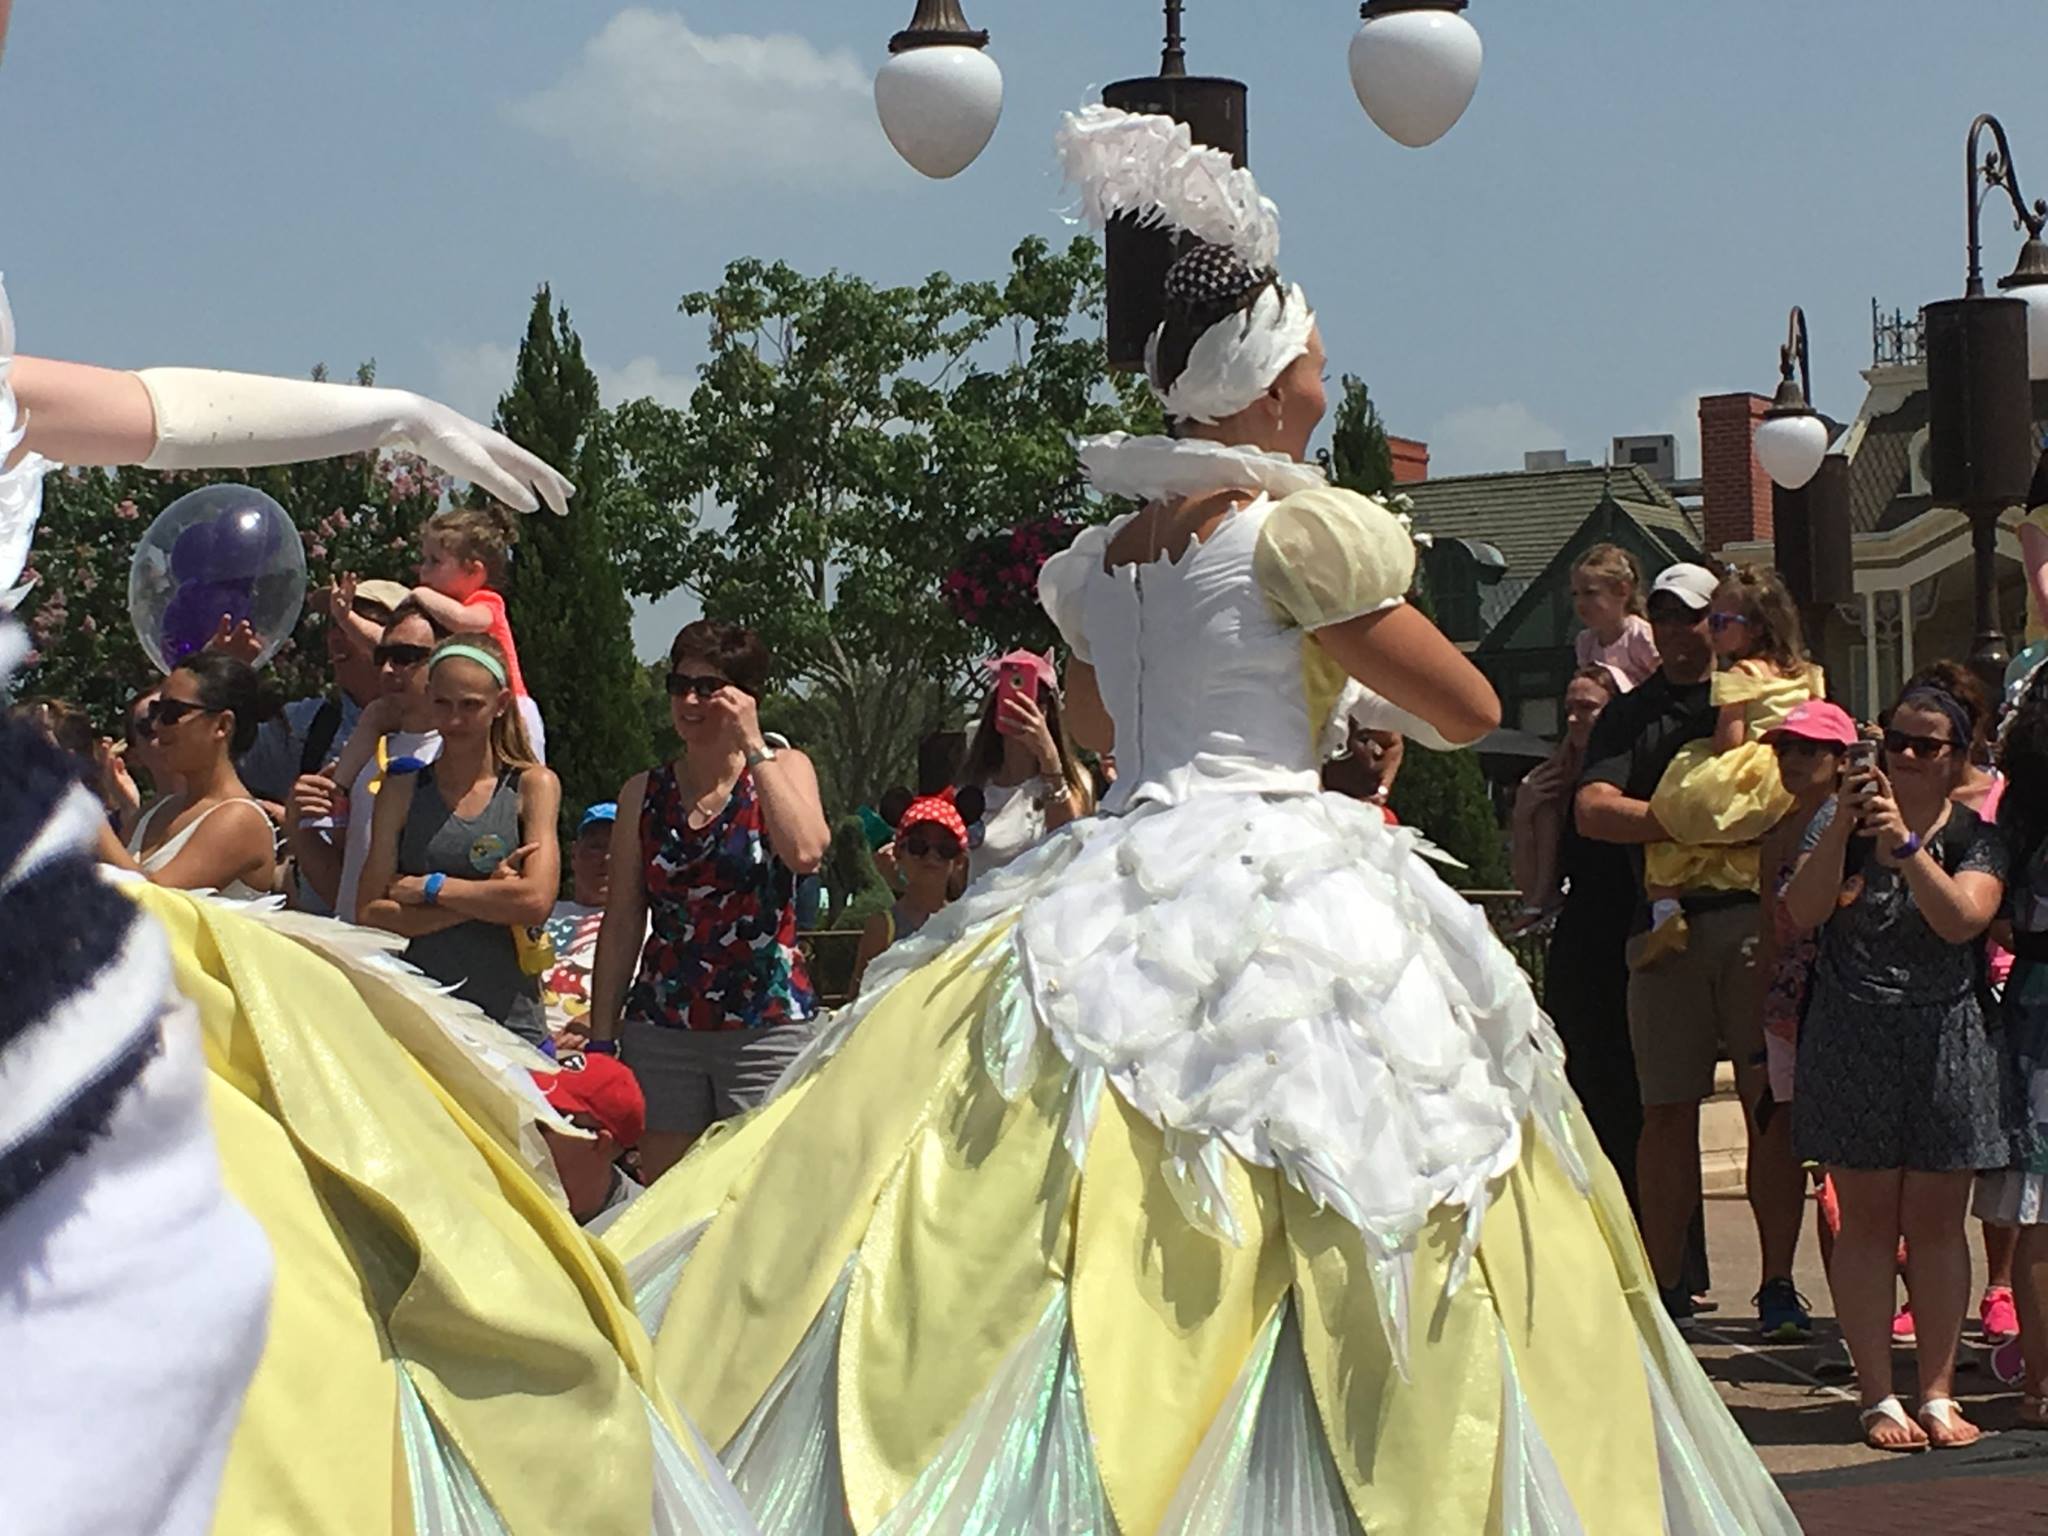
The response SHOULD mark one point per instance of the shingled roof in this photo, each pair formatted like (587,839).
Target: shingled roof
(1529,514)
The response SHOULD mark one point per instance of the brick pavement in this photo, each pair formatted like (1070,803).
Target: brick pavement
(2003,1499)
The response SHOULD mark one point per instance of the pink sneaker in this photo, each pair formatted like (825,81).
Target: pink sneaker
(2000,1318)
(1902,1326)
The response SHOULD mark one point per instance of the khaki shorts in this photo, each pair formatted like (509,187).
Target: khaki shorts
(1684,1010)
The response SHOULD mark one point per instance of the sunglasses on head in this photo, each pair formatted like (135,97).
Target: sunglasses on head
(1899,744)
(163,713)
(922,844)
(395,654)
(683,686)
(1720,621)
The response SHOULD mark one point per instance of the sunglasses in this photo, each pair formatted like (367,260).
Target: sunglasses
(395,654)
(925,845)
(164,713)
(683,686)
(1720,621)
(1898,744)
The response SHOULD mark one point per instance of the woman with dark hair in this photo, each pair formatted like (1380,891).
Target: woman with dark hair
(2016,1196)
(463,852)
(1898,1077)
(1022,761)
(709,847)
(204,717)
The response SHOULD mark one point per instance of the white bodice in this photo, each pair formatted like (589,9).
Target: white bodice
(1205,683)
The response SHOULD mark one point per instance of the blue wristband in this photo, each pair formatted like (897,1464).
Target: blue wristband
(433,888)
(1908,848)
(601,1047)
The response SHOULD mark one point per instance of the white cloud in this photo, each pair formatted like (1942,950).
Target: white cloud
(472,378)
(643,378)
(1482,438)
(679,111)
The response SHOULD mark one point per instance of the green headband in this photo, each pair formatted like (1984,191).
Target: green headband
(477,654)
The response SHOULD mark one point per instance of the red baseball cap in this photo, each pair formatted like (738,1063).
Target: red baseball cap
(934,810)
(1817,720)
(602,1087)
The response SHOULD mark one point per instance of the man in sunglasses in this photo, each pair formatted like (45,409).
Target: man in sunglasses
(307,734)
(1683,1013)
(329,828)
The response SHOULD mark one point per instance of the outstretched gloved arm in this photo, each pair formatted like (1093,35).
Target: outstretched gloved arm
(194,418)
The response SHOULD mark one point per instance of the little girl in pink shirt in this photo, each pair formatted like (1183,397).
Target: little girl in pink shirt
(1607,595)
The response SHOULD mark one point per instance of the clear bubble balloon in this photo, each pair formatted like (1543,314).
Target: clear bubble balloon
(221,552)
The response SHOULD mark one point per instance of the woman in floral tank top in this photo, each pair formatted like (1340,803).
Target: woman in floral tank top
(706,856)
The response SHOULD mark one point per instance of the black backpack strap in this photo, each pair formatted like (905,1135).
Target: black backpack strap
(320,736)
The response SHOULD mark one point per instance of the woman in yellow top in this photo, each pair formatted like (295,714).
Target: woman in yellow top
(1721,795)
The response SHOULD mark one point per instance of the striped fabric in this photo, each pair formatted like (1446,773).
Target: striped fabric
(85,975)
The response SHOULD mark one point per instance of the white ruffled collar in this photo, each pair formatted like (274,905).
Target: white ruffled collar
(1150,468)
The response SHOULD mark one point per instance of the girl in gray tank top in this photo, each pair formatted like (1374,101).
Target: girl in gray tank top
(460,887)
(480,960)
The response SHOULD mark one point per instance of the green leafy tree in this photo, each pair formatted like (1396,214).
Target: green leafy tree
(1443,794)
(846,447)
(567,608)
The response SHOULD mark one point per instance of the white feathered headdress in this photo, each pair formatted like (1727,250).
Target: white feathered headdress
(1151,168)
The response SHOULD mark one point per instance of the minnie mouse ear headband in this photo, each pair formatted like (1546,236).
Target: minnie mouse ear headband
(1039,668)
(1150,168)
(937,811)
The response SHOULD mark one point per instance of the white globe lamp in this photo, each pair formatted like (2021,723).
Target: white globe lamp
(1415,65)
(2029,281)
(940,94)
(1790,446)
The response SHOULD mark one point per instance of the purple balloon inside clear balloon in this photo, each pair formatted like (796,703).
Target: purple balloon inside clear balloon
(222,552)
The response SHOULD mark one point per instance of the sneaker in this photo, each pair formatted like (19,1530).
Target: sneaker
(1902,1326)
(2000,1319)
(1781,1313)
(1678,1302)
(2008,1364)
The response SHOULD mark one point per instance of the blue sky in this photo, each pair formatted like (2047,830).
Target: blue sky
(1639,191)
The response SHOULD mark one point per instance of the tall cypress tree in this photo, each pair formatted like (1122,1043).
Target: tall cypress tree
(567,607)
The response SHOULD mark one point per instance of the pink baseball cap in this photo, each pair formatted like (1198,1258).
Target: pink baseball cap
(1817,720)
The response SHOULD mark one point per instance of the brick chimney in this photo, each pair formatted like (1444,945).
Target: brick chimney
(1411,459)
(1735,491)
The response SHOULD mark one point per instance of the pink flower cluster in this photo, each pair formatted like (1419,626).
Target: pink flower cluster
(999,575)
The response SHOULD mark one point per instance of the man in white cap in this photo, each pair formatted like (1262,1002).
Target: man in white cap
(1684,1011)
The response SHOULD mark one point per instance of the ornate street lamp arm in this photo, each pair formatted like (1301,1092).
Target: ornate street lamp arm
(1794,354)
(1173,63)
(1995,169)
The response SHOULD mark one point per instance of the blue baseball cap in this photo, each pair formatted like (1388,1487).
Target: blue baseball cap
(606,811)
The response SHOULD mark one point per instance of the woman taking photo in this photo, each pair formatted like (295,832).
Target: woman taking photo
(1898,1076)
(1023,763)
(706,855)
(204,716)
(463,853)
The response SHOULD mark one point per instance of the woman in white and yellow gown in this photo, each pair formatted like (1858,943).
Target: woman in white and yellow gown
(1211,1169)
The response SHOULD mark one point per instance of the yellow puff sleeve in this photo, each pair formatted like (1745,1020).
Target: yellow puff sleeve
(1738,685)
(1327,555)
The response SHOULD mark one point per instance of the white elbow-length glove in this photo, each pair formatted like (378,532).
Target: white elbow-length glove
(211,420)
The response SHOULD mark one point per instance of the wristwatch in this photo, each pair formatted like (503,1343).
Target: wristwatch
(601,1047)
(431,888)
(756,756)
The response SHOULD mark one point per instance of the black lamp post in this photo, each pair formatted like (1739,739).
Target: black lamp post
(1980,433)
(1137,256)
(1809,492)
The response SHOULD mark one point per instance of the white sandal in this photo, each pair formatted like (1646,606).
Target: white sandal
(1892,1409)
(1946,1412)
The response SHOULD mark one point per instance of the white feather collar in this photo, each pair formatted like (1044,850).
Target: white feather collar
(1151,468)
